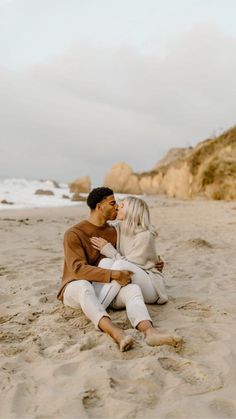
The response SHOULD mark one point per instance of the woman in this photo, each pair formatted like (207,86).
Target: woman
(135,252)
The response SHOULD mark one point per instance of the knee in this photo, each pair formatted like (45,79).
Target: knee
(84,287)
(133,290)
(105,263)
(119,265)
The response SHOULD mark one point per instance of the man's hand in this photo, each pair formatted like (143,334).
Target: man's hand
(159,264)
(122,277)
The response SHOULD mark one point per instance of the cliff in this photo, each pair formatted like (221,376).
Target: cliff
(207,170)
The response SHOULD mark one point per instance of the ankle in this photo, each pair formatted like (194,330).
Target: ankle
(145,326)
(117,334)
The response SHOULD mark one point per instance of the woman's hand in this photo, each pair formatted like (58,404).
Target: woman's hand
(159,264)
(98,243)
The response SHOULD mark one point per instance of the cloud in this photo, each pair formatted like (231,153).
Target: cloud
(92,106)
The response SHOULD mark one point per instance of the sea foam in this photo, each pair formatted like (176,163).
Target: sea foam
(22,193)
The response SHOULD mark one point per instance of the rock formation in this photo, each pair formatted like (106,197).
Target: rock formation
(77,197)
(4,201)
(81,185)
(43,192)
(122,179)
(207,170)
(173,155)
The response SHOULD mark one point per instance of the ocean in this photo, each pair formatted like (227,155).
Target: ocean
(20,193)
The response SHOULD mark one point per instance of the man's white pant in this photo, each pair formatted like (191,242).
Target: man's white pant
(82,294)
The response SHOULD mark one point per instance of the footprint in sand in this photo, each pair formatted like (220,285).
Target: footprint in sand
(12,350)
(193,308)
(88,342)
(139,385)
(196,378)
(142,390)
(22,405)
(224,408)
(47,299)
(91,399)
(68,369)
(199,243)
(11,337)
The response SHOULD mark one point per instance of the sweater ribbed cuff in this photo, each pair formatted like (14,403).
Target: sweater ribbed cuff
(109,251)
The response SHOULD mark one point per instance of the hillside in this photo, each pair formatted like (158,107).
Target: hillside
(208,170)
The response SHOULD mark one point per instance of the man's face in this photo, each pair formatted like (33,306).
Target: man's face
(109,207)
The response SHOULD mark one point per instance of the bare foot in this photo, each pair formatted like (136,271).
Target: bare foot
(157,337)
(126,343)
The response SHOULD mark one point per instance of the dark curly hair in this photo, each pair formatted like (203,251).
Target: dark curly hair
(97,195)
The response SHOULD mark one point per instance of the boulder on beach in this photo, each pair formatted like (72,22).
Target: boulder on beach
(122,179)
(4,201)
(80,185)
(43,192)
(77,197)
(65,196)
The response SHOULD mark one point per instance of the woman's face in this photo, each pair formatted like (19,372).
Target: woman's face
(121,210)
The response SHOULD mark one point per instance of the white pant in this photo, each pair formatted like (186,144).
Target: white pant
(149,287)
(81,294)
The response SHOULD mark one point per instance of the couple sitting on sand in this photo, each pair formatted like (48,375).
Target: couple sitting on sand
(115,266)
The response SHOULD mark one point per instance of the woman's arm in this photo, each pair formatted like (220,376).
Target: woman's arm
(105,248)
(142,248)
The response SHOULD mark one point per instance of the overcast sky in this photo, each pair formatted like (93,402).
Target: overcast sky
(87,83)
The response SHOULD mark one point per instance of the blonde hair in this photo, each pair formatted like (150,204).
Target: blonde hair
(137,217)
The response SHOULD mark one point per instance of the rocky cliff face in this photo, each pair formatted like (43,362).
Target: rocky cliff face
(122,179)
(207,170)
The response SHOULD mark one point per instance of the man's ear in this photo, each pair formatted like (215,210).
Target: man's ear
(98,207)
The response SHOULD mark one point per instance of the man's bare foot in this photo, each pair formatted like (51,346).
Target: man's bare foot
(157,337)
(126,343)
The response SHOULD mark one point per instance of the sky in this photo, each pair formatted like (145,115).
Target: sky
(85,84)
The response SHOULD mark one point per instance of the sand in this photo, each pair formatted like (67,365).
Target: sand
(55,365)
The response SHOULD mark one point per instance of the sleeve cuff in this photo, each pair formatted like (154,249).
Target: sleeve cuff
(109,251)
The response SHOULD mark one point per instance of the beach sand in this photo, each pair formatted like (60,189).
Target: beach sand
(54,364)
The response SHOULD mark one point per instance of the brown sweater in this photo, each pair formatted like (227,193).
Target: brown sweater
(81,259)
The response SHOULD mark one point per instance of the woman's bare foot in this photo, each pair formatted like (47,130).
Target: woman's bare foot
(157,337)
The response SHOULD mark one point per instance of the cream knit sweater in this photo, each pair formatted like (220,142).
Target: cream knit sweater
(140,250)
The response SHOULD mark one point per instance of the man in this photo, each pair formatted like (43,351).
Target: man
(81,268)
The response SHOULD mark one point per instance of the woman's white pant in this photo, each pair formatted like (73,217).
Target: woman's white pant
(153,290)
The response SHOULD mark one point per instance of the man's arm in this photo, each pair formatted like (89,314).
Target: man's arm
(77,263)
